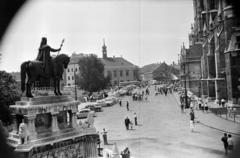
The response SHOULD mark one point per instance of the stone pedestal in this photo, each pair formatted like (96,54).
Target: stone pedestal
(46,136)
(31,127)
(14,124)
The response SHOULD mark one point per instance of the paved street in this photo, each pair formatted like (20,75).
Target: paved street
(163,130)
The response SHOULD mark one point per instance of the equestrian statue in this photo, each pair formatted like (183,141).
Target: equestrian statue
(44,68)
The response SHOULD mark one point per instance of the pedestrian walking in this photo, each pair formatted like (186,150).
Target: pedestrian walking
(146,97)
(206,106)
(191,104)
(135,119)
(199,104)
(182,107)
(230,142)
(192,117)
(127,122)
(127,106)
(225,142)
(104,134)
(223,102)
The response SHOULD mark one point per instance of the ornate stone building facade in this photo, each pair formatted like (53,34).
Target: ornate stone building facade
(191,67)
(216,27)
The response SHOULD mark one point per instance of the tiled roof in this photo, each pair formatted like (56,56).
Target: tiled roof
(149,68)
(75,58)
(116,61)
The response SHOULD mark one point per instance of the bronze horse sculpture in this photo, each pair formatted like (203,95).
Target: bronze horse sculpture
(34,72)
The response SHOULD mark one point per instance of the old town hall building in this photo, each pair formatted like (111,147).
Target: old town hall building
(117,68)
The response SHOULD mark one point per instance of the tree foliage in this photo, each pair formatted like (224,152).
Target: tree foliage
(9,93)
(91,77)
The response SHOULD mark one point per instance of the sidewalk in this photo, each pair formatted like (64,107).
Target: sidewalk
(229,117)
(211,120)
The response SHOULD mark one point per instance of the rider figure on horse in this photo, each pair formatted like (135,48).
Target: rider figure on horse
(45,57)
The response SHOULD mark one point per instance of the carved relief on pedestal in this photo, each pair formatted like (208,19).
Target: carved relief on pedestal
(66,149)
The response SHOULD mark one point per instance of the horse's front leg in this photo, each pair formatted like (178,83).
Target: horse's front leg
(58,87)
(55,86)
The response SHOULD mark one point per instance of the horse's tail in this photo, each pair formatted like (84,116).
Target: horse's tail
(24,67)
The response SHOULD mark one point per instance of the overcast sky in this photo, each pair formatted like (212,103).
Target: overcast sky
(141,31)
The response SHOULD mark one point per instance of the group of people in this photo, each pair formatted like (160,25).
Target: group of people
(140,95)
(125,153)
(129,123)
(221,102)
(164,89)
(227,142)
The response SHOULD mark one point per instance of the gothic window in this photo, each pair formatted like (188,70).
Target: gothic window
(68,77)
(72,69)
(201,5)
(72,77)
(212,4)
(68,70)
(75,69)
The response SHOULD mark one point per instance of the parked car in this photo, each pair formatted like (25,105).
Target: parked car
(110,101)
(101,102)
(83,113)
(95,107)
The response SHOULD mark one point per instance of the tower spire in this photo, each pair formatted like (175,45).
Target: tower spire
(104,49)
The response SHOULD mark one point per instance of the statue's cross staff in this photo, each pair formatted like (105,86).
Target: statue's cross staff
(61,46)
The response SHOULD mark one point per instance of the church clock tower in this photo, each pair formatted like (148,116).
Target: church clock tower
(104,50)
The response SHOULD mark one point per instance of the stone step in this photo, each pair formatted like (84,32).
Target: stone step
(43,100)
(13,141)
(14,135)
